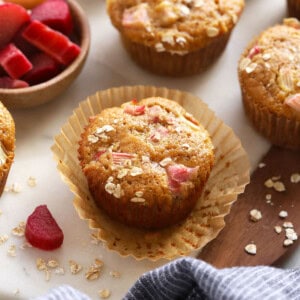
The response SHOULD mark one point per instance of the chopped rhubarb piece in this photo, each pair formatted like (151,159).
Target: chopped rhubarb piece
(27,48)
(157,134)
(120,157)
(9,83)
(14,62)
(136,17)
(55,14)
(98,154)
(134,110)
(178,174)
(52,42)
(12,18)
(44,68)
(42,231)
(293,101)
(154,113)
(253,51)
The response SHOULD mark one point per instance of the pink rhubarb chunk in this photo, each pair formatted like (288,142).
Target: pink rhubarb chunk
(51,42)
(44,68)
(12,18)
(178,174)
(42,231)
(14,62)
(55,14)
(9,83)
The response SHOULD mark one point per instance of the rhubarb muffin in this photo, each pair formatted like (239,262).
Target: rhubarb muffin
(293,8)
(269,78)
(146,162)
(175,37)
(7,144)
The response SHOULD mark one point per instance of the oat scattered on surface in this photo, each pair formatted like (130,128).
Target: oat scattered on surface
(288,225)
(19,230)
(261,165)
(251,249)
(94,270)
(291,234)
(75,268)
(12,251)
(287,242)
(278,229)
(115,274)
(3,238)
(255,215)
(283,214)
(31,181)
(52,263)
(279,186)
(104,293)
(41,264)
(268,196)
(295,178)
(269,183)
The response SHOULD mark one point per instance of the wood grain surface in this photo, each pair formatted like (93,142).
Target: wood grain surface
(228,248)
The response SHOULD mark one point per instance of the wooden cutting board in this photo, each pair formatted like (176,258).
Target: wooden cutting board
(228,248)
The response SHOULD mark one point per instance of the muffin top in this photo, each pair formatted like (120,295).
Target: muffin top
(150,152)
(7,138)
(174,26)
(269,69)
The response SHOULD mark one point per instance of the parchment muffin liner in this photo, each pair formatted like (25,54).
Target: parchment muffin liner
(228,178)
(278,130)
(166,63)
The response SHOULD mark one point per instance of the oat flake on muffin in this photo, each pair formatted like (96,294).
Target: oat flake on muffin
(146,162)
(270,83)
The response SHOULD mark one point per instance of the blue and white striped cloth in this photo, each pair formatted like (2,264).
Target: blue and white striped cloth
(189,278)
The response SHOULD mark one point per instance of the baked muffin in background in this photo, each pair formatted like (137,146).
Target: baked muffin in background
(7,144)
(146,163)
(293,8)
(175,38)
(269,75)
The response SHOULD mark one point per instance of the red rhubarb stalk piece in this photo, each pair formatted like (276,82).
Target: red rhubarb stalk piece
(55,14)
(9,83)
(14,62)
(12,18)
(178,174)
(52,42)
(42,231)
(44,68)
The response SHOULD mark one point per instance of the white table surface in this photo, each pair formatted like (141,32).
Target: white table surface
(107,66)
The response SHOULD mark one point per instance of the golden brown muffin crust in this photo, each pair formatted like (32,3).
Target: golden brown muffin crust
(147,162)
(269,69)
(174,26)
(7,144)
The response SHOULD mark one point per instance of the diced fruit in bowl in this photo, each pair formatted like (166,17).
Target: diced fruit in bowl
(14,62)
(51,42)
(42,231)
(54,47)
(12,18)
(55,14)
(9,83)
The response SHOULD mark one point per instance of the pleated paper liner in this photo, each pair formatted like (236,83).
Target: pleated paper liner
(228,178)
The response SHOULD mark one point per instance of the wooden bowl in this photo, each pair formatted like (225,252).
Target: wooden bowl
(44,92)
